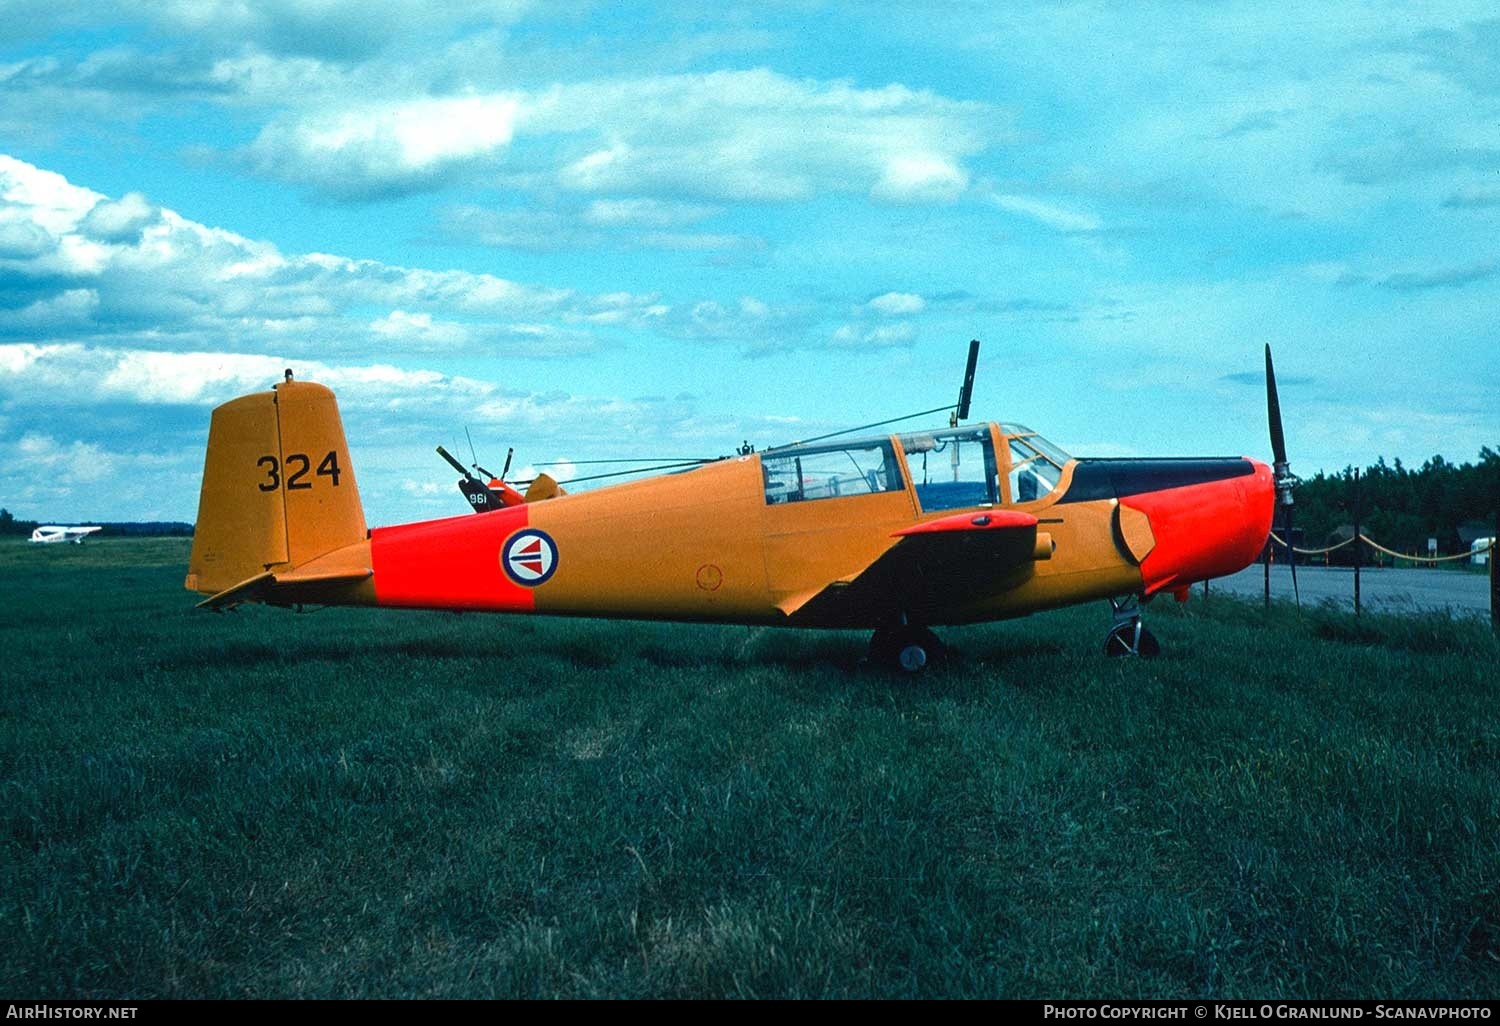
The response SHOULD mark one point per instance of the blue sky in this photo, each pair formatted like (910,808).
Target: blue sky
(591,231)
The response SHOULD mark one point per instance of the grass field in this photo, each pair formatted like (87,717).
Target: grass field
(356,803)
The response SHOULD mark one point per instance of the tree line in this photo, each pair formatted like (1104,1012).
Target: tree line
(1401,508)
(9,525)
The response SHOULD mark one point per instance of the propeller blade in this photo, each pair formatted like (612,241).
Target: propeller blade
(1282,471)
(445,454)
(967,391)
(1273,412)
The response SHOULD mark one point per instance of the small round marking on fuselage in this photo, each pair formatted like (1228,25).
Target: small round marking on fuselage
(529,557)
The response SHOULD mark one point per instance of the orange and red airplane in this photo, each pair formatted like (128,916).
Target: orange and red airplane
(893,532)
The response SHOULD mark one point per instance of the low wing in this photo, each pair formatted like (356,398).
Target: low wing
(934,566)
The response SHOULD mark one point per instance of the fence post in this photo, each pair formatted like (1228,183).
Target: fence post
(1358,541)
(1495,582)
(1267,564)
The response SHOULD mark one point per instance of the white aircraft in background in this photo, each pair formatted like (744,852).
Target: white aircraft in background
(51,533)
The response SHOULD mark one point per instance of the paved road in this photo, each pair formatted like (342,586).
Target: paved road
(1388,591)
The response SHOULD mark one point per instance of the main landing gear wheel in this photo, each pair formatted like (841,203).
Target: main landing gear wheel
(908,649)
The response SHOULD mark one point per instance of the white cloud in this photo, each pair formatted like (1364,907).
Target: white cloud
(45,198)
(73,463)
(419,330)
(725,135)
(561,470)
(85,267)
(387,147)
(524,229)
(621,224)
(886,322)
(52,373)
(920,178)
(20,239)
(637,212)
(1050,214)
(71,310)
(897,304)
(338,29)
(755,325)
(120,221)
(883,336)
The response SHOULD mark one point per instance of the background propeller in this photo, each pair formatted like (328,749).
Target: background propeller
(1285,480)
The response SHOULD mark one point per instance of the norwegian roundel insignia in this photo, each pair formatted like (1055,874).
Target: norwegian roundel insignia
(529,557)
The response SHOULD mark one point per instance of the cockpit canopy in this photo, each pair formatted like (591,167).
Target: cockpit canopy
(951,468)
(797,473)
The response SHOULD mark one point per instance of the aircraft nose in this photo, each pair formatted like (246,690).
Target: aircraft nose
(1210,529)
(1260,508)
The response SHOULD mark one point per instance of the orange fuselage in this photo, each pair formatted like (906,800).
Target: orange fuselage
(707,545)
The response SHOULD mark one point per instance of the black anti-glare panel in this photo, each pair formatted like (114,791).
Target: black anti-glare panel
(1115,479)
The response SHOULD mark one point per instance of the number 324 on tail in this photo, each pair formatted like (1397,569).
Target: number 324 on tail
(897,533)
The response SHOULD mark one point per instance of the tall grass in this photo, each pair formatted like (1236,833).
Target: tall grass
(363,803)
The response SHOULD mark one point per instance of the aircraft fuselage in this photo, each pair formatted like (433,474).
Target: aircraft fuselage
(719,544)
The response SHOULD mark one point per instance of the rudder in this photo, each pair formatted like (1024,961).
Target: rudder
(278,487)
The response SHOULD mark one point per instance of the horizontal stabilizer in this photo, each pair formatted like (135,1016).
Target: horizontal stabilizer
(245,591)
(282,585)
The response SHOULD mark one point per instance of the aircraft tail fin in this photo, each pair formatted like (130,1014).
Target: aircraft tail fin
(278,488)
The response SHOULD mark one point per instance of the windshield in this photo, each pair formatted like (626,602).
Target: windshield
(1053,452)
(1035,463)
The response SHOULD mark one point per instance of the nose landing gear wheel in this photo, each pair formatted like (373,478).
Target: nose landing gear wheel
(1131,639)
(907,649)
(1128,636)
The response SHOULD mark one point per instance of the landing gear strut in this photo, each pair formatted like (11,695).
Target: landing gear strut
(907,648)
(1128,636)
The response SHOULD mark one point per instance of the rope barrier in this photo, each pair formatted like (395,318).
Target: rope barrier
(1313,552)
(1381,548)
(1423,559)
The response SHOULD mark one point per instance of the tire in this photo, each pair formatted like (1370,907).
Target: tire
(1123,640)
(908,650)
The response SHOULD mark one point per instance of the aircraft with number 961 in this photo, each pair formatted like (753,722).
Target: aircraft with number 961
(892,532)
